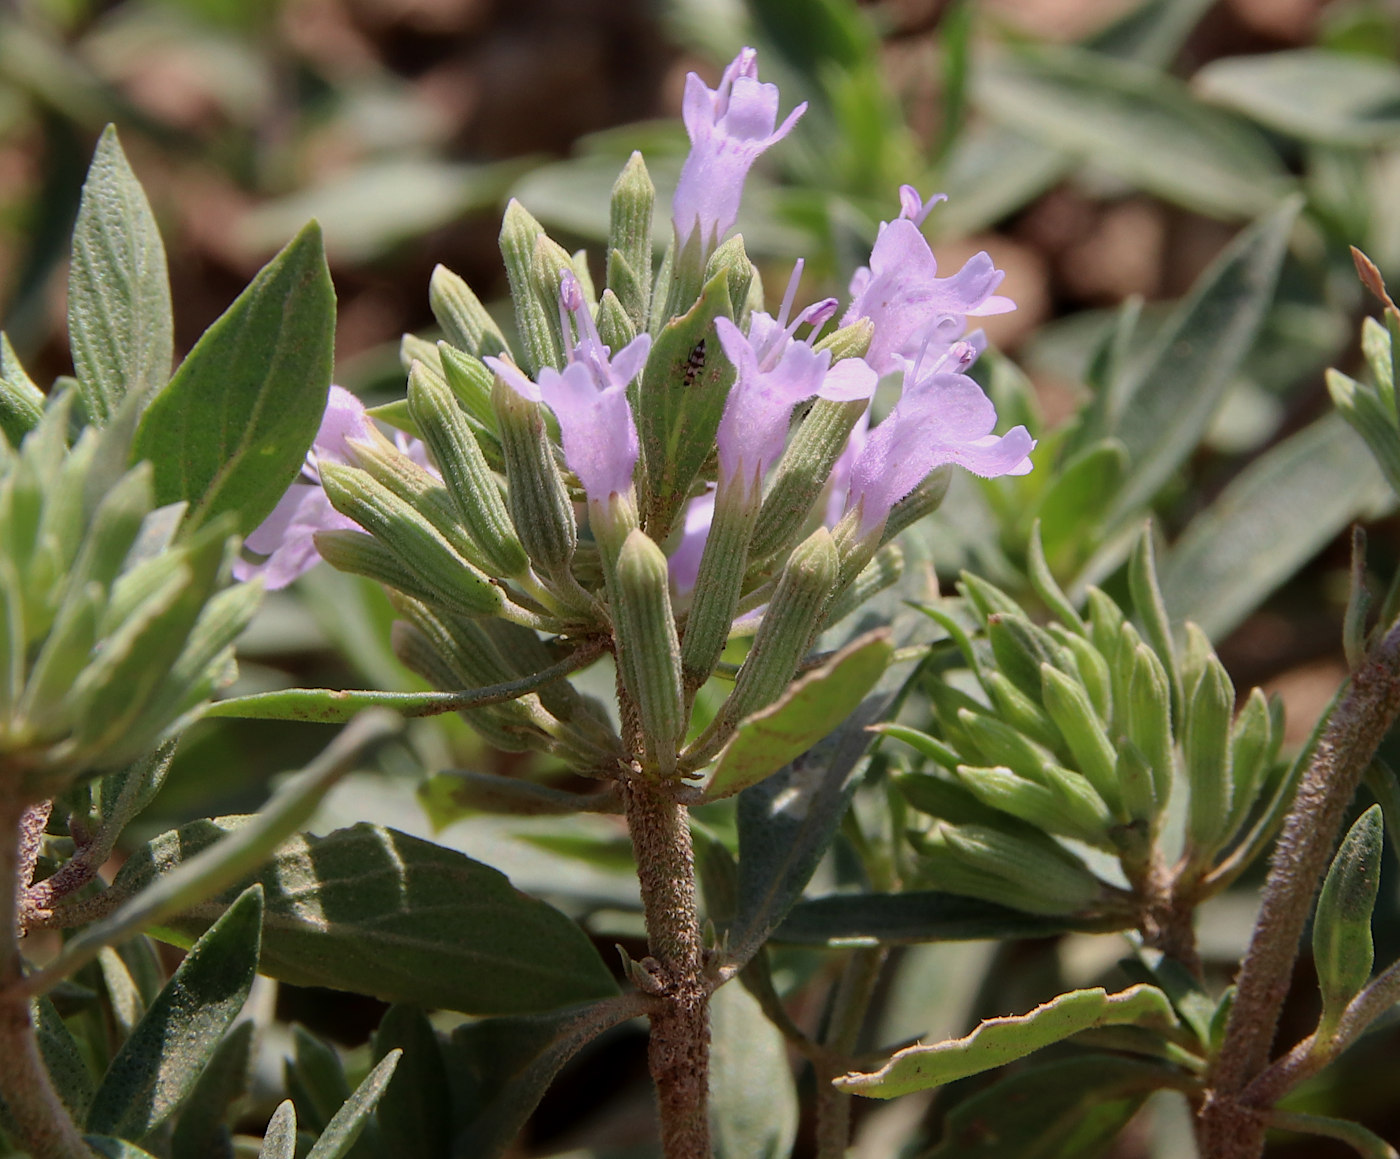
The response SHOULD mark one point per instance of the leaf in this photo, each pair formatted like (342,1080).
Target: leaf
(449,796)
(280,1138)
(203,1132)
(916,916)
(231,429)
(1075,503)
(809,710)
(990,173)
(21,408)
(500,1068)
(1162,408)
(414,1113)
(1069,1109)
(110,1148)
(998,1041)
(1152,33)
(158,1065)
(786,823)
(342,1131)
(1272,518)
(291,806)
(753,1100)
(378,912)
(63,1059)
(119,316)
(1333,98)
(1135,122)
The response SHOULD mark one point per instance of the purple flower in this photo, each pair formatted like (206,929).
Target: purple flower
(775,373)
(684,562)
(589,397)
(729,127)
(285,536)
(942,417)
(908,303)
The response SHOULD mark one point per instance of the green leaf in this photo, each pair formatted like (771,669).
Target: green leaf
(1161,410)
(1333,98)
(1075,503)
(500,1067)
(1137,123)
(119,316)
(1072,1108)
(280,1138)
(1152,33)
(449,796)
(809,710)
(918,916)
(63,1059)
(110,1148)
(231,430)
(158,1065)
(415,1112)
(1343,949)
(998,1041)
(753,1100)
(1272,518)
(21,408)
(342,1131)
(787,821)
(203,1132)
(378,912)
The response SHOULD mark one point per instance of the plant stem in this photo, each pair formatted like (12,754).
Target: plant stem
(42,1124)
(679,1049)
(853,994)
(1229,1126)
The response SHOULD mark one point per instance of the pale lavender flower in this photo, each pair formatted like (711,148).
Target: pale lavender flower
(838,481)
(775,373)
(942,417)
(684,563)
(901,293)
(285,537)
(589,397)
(729,127)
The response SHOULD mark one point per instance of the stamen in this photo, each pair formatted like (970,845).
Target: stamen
(789,295)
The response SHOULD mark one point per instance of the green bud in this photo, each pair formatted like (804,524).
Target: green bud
(646,634)
(1342,948)
(115,525)
(1105,620)
(849,341)
(536,494)
(1043,581)
(424,551)
(630,240)
(1251,745)
(44,707)
(471,380)
(801,474)
(1022,713)
(1206,749)
(13,372)
(464,320)
(924,500)
(21,408)
(615,328)
(578,262)
(997,743)
(13,645)
(731,259)
(1067,806)
(414,349)
(1371,418)
(550,263)
(883,571)
(1376,346)
(719,582)
(1152,610)
(1047,879)
(473,489)
(361,554)
(1020,649)
(1149,724)
(1091,668)
(538,325)
(986,598)
(1194,657)
(1136,782)
(1069,705)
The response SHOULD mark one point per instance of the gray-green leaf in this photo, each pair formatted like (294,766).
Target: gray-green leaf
(345,1127)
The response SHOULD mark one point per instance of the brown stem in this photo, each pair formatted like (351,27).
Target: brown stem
(853,993)
(1231,1127)
(1165,911)
(679,1048)
(42,1124)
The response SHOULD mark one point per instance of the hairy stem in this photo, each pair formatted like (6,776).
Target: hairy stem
(42,1125)
(1231,1127)
(679,1048)
(853,994)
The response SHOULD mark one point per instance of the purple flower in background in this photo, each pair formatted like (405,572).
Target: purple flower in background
(901,293)
(589,397)
(775,373)
(285,537)
(684,562)
(942,417)
(729,127)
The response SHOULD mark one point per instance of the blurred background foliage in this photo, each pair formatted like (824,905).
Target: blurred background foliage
(1105,152)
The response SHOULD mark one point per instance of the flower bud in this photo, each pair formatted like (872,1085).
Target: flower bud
(732,260)
(536,318)
(1251,747)
(1152,611)
(1046,879)
(849,341)
(538,500)
(718,583)
(1020,649)
(615,328)
(471,381)
(646,635)
(21,408)
(548,265)
(630,241)
(422,549)
(1092,670)
(401,476)
(1206,750)
(1342,947)
(1022,713)
(884,571)
(1136,783)
(1069,705)
(997,743)
(1149,723)
(469,481)
(464,320)
(1067,806)
(924,500)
